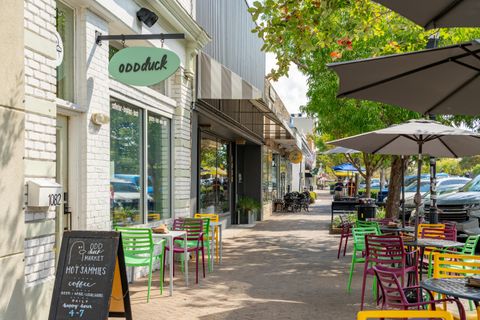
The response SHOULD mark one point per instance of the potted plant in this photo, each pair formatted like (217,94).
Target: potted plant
(247,210)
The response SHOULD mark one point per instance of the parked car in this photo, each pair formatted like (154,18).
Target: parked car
(135,179)
(441,190)
(125,194)
(411,189)
(425,176)
(462,207)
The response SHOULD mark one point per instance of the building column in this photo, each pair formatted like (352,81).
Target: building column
(12,127)
(181,91)
(93,139)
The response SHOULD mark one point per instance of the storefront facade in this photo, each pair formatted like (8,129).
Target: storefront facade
(118,154)
(227,123)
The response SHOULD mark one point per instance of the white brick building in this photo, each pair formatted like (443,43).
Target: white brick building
(63,144)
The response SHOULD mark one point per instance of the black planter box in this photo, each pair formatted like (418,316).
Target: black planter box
(366,211)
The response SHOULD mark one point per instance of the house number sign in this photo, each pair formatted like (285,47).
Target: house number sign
(143,66)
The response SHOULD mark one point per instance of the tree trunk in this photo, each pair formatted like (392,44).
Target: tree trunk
(394,188)
(368,182)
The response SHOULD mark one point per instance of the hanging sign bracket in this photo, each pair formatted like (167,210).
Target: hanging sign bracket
(123,37)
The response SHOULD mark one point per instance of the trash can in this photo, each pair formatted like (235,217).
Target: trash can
(367,209)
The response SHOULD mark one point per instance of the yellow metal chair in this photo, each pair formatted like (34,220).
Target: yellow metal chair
(421,226)
(451,265)
(404,314)
(213,218)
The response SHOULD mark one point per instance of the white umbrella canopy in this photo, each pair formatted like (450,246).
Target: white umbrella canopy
(432,14)
(341,150)
(416,137)
(422,137)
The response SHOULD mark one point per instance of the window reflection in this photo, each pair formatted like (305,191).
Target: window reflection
(214,176)
(158,167)
(126,187)
(65,26)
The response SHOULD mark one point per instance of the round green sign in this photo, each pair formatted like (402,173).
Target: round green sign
(143,66)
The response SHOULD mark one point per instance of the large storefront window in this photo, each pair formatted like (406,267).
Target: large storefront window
(214,176)
(130,199)
(65,28)
(158,167)
(267,168)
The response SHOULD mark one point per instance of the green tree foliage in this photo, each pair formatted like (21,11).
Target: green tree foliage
(468,163)
(476,170)
(312,33)
(450,166)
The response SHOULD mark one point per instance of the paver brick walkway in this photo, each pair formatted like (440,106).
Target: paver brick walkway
(283,268)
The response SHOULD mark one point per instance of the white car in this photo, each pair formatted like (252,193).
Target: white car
(125,194)
(442,184)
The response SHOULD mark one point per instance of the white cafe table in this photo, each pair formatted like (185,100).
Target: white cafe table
(169,237)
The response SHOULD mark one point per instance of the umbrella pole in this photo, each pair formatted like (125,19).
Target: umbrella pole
(403,191)
(417,194)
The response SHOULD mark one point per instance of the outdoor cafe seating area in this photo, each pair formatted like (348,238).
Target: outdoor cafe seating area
(422,269)
(198,238)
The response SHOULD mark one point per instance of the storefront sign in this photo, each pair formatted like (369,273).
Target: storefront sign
(143,66)
(91,280)
(295,156)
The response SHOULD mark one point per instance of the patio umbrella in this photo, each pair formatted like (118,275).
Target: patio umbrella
(422,137)
(345,167)
(440,81)
(432,14)
(341,150)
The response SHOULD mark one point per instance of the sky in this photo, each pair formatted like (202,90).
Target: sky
(292,89)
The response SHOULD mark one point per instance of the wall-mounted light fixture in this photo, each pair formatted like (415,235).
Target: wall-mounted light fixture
(100,118)
(147,17)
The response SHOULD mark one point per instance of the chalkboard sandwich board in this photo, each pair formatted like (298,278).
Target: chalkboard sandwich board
(91,280)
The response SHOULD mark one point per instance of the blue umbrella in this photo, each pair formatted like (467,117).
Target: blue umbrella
(345,167)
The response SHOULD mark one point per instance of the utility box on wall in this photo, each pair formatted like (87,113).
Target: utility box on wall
(44,193)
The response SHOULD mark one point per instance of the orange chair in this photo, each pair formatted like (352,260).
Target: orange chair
(213,218)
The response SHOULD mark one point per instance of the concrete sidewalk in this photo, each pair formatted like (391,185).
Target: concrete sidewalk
(283,268)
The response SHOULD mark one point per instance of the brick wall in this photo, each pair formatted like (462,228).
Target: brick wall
(96,151)
(40,139)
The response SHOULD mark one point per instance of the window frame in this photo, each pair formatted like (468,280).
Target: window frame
(144,110)
(75,61)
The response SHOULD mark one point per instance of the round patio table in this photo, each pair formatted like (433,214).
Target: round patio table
(454,287)
(435,243)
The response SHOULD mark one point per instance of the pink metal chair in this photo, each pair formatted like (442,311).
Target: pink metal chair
(195,243)
(388,252)
(394,295)
(345,235)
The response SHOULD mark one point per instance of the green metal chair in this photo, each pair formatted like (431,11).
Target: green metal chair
(139,251)
(358,235)
(366,224)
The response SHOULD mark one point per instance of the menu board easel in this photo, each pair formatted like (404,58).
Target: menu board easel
(91,280)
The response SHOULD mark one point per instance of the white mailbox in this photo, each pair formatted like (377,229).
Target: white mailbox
(44,193)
